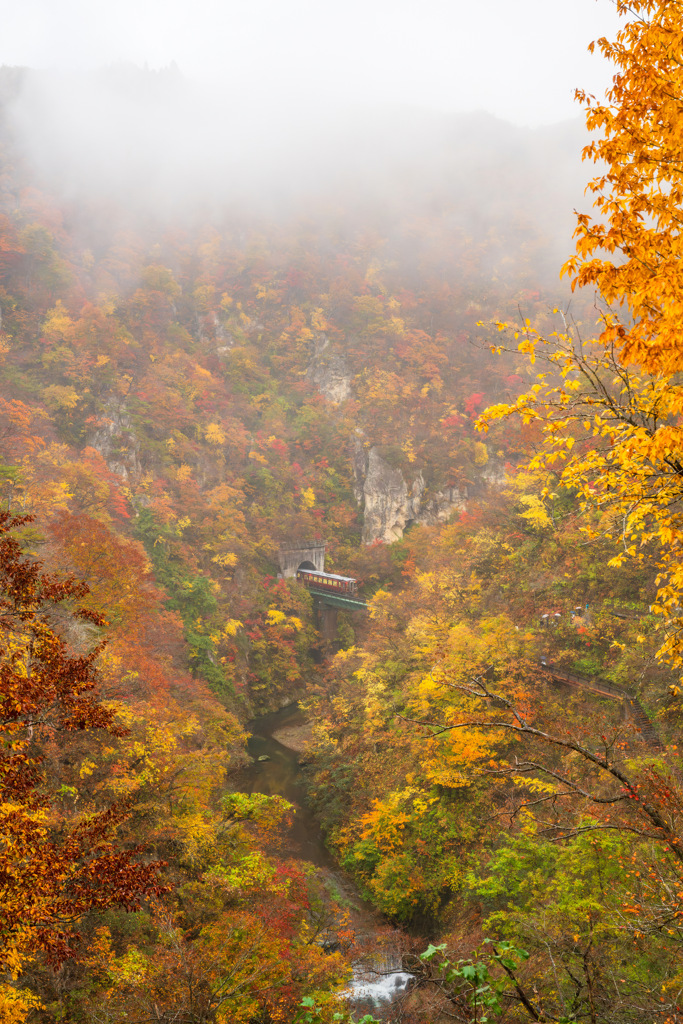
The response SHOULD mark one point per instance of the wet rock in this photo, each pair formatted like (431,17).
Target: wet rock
(296,736)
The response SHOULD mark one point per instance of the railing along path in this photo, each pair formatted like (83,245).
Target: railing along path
(604,689)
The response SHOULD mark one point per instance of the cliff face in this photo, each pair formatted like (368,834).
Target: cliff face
(390,505)
(115,440)
(329,371)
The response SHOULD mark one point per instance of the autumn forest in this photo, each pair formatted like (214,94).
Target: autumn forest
(480,420)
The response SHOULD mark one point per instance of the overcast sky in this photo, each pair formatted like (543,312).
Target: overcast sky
(518,59)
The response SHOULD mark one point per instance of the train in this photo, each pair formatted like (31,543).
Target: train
(327,581)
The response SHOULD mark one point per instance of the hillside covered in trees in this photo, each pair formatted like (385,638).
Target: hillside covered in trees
(202,359)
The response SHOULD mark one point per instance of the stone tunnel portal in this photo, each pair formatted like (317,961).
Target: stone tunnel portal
(296,555)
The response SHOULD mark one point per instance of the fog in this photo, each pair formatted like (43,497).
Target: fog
(290,107)
(519,61)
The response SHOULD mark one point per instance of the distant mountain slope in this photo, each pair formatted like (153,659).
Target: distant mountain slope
(246,330)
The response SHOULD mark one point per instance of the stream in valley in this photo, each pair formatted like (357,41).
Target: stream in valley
(280,775)
(379,979)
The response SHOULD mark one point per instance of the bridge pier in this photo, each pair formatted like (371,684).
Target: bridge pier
(330,592)
(326,619)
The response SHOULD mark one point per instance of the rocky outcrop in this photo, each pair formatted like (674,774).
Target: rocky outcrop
(359,465)
(440,506)
(116,442)
(494,476)
(390,504)
(329,371)
(209,331)
(208,328)
(225,341)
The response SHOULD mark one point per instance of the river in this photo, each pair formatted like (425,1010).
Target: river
(280,775)
(379,979)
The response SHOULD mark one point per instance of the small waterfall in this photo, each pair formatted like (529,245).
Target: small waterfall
(378,980)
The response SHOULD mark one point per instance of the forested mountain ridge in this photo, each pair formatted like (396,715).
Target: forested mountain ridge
(186,384)
(191,361)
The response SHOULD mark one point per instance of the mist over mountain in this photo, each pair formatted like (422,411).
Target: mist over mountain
(340,572)
(153,145)
(244,333)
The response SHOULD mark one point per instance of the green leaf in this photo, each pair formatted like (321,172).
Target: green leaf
(431,951)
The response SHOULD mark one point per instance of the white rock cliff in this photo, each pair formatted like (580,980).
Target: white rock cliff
(390,505)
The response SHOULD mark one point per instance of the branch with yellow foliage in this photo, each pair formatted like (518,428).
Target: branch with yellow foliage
(610,408)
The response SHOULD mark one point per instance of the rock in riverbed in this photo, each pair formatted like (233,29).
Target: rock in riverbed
(296,737)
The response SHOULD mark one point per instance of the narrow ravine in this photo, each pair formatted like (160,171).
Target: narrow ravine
(280,775)
(379,979)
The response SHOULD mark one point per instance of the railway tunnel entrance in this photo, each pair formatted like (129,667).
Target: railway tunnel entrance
(305,560)
(301,554)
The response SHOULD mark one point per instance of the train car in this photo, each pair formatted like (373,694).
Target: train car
(328,581)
